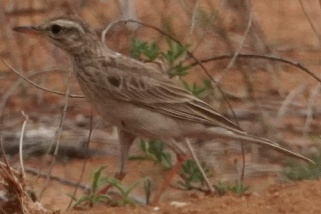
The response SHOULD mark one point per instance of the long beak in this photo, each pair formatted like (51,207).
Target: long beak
(28,30)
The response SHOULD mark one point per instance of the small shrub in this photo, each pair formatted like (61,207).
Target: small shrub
(238,189)
(154,151)
(95,197)
(191,174)
(302,171)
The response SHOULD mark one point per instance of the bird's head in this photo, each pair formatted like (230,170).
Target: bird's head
(68,33)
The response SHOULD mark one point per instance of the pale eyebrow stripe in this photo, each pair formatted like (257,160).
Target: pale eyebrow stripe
(67,23)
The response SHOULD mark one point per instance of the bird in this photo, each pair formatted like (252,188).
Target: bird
(137,98)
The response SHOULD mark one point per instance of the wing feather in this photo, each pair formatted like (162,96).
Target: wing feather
(154,91)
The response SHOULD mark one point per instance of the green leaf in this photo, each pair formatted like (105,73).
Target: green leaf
(154,151)
(198,90)
(152,51)
(191,174)
(136,48)
(96,177)
(139,48)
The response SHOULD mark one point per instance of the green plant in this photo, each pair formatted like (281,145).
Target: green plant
(154,151)
(239,189)
(301,171)
(198,90)
(174,57)
(139,49)
(191,174)
(95,197)
(124,192)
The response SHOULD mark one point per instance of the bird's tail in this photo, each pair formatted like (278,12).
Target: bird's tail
(261,141)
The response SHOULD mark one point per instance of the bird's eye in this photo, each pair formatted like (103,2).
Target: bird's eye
(55,29)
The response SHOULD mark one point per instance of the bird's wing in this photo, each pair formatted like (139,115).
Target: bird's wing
(155,91)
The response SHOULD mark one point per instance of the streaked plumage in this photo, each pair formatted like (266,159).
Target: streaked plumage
(136,98)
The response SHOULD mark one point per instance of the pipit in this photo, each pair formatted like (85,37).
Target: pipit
(138,99)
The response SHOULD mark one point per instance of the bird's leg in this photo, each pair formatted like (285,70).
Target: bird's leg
(181,157)
(209,185)
(125,141)
(169,176)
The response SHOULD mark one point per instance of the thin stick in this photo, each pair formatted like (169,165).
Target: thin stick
(288,100)
(257,56)
(5,158)
(58,135)
(309,20)
(194,16)
(311,102)
(38,86)
(21,143)
(199,165)
(64,181)
(236,53)
(85,162)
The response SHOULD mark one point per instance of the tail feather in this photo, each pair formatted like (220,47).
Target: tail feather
(263,142)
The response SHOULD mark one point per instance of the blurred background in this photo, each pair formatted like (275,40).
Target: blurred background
(271,99)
